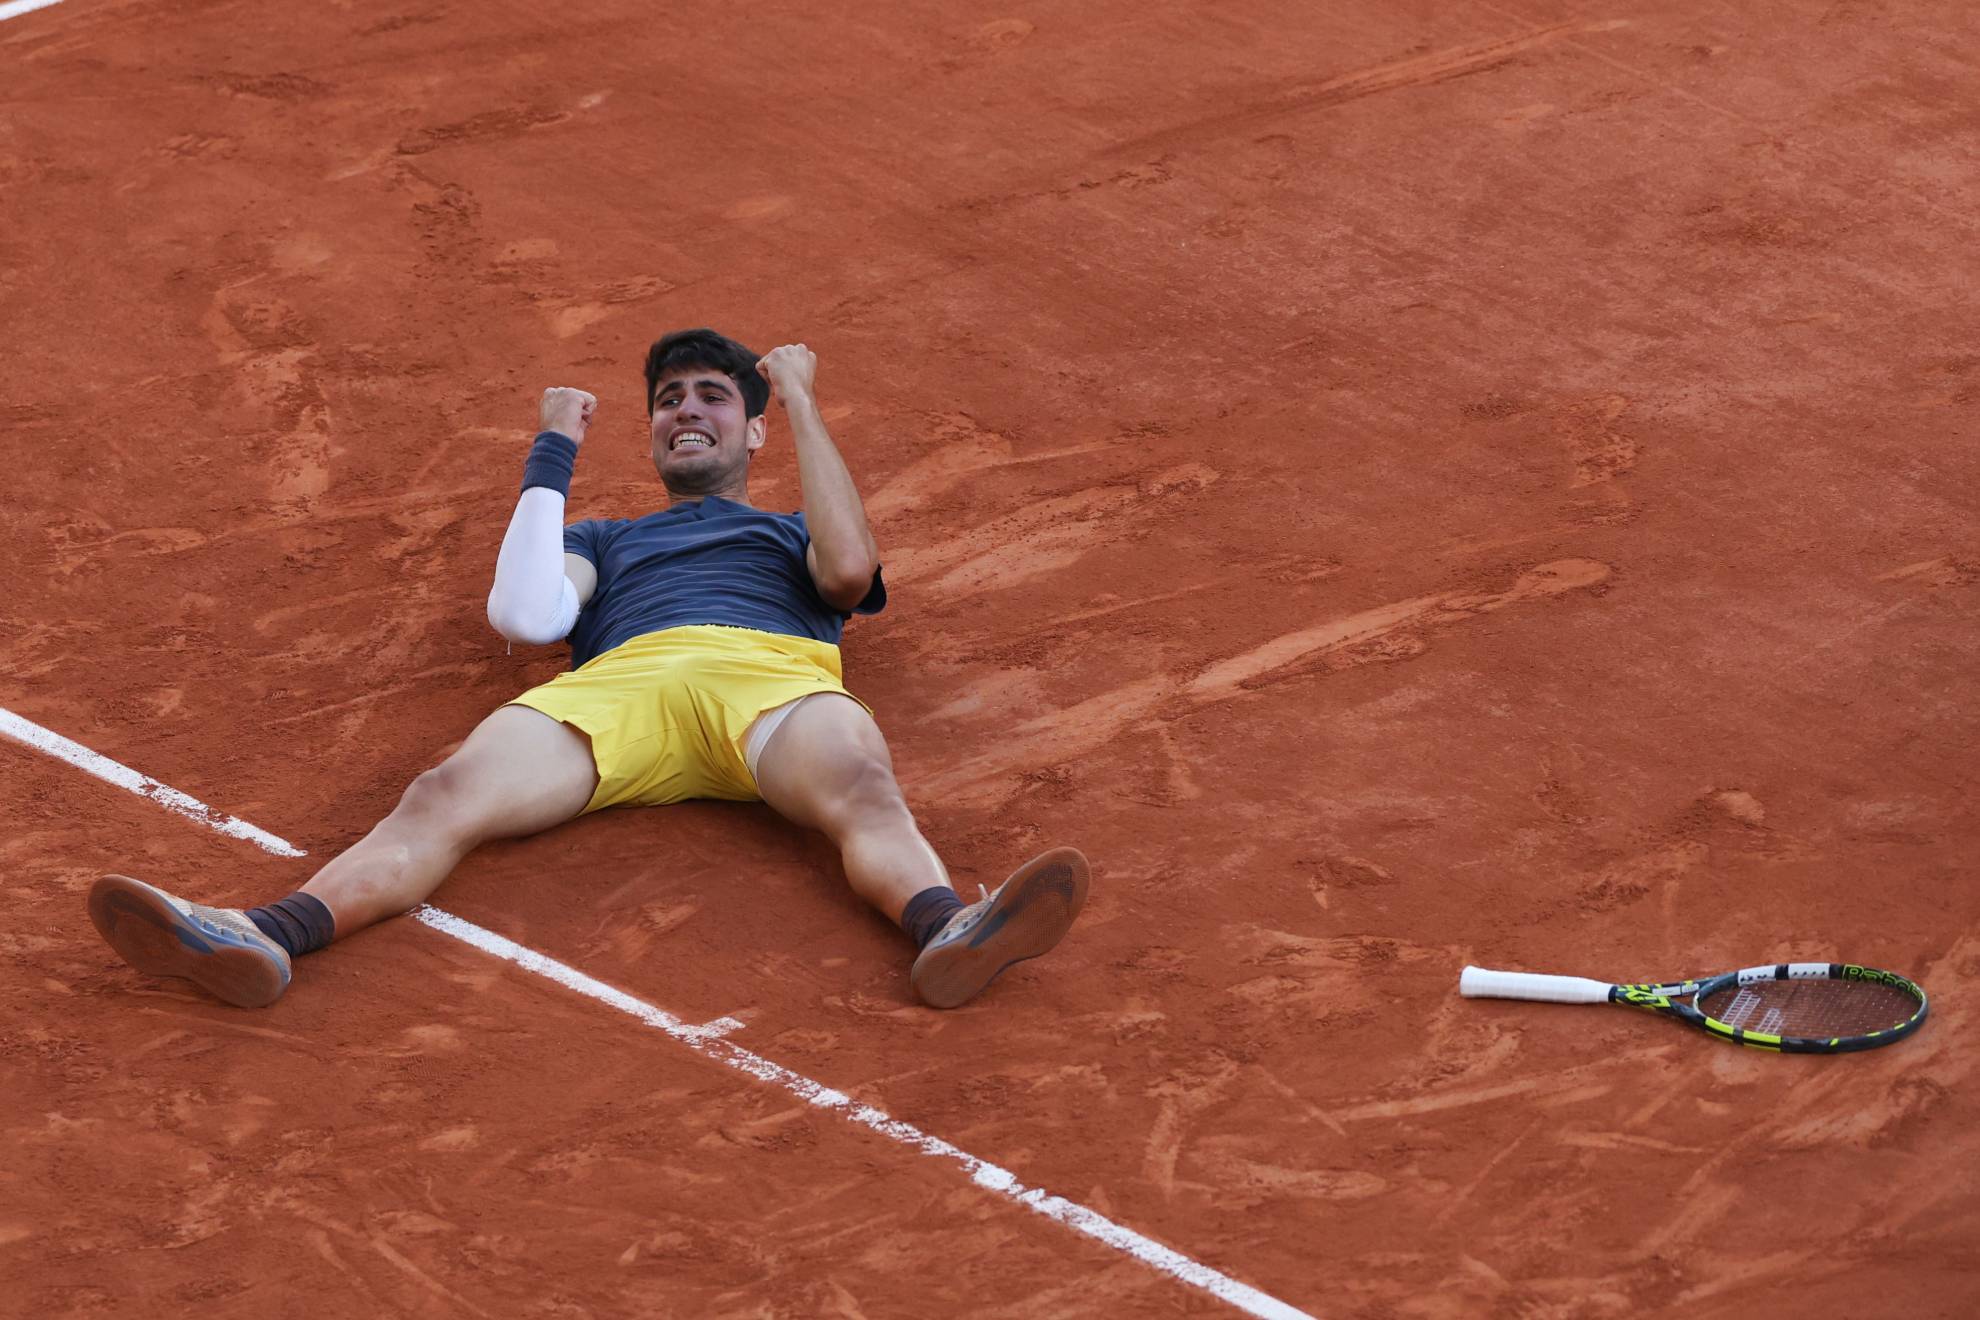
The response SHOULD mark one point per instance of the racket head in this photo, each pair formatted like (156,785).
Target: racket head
(1809,1008)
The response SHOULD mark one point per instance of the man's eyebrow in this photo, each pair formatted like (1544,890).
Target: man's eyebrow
(706,383)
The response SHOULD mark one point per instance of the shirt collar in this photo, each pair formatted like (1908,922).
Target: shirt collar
(701,508)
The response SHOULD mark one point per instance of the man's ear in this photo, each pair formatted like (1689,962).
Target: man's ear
(757,431)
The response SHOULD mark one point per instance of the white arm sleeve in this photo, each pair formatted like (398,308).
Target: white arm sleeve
(532,601)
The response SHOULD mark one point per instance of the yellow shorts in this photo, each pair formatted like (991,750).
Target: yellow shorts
(667,712)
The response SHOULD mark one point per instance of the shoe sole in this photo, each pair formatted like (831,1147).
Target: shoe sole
(151,935)
(1030,915)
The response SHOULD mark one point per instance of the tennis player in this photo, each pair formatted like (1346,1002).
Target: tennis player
(705,664)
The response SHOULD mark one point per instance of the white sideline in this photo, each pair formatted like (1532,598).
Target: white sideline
(15,8)
(79,756)
(706,1040)
(983,1173)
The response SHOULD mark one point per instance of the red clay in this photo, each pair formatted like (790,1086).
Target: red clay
(1397,485)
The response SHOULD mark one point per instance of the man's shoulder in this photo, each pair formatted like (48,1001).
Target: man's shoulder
(616,527)
(793,520)
(789,526)
(593,532)
(736,508)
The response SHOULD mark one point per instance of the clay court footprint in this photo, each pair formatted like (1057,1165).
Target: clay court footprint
(430,1038)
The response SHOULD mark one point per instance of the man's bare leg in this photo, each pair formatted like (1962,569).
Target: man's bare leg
(828,767)
(519,772)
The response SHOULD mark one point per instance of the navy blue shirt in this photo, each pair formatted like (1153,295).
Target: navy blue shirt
(709,561)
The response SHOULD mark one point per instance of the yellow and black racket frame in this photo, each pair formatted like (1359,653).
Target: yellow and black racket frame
(1680,999)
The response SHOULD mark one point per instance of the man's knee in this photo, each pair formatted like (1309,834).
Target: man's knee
(868,795)
(442,797)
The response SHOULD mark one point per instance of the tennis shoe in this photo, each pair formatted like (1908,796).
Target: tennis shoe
(218,949)
(1026,916)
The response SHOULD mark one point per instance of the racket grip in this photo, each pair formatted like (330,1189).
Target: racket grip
(1479,983)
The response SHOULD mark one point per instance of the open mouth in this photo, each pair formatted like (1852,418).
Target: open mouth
(690,439)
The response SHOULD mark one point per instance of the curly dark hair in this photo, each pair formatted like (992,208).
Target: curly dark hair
(687,349)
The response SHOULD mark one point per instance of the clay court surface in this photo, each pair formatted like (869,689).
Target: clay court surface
(1398,484)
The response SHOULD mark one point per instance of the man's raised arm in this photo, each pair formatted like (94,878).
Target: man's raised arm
(538,588)
(842,556)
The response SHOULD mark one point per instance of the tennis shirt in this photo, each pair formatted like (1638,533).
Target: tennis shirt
(707,561)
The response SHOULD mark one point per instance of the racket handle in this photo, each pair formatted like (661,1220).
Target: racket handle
(1478,983)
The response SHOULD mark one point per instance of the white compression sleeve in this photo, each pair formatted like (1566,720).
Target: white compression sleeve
(532,601)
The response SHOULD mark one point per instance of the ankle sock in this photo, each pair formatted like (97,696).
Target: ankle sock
(299,923)
(927,912)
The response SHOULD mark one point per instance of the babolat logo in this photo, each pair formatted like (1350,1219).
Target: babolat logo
(1644,996)
(1851,972)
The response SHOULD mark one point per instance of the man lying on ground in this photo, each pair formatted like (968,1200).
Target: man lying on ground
(704,664)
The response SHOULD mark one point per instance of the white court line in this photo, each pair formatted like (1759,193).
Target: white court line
(15,8)
(707,1041)
(79,756)
(983,1173)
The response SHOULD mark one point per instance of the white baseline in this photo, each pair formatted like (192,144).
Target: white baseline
(15,8)
(706,1041)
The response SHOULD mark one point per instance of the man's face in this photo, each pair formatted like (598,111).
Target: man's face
(701,440)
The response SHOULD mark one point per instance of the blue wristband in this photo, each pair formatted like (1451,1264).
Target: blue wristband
(551,461)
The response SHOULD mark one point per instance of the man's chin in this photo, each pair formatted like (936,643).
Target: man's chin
(695,477)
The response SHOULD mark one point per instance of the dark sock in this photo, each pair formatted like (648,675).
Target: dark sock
(299,923)
(927,912)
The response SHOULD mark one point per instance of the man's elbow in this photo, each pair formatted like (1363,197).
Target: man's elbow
(844,586)
(517,627)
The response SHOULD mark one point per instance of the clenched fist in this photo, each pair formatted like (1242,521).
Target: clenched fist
(567,411)
(789,370)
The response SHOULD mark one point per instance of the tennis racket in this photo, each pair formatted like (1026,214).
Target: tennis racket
(1791,1008)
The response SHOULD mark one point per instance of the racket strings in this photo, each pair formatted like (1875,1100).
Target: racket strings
(1822,1009)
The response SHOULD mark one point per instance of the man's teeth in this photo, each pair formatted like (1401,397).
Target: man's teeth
(694,438)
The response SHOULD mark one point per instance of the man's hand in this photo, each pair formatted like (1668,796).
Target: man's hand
(789,370)
(567,411)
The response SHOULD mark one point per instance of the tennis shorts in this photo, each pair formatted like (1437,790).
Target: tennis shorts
(668,712)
